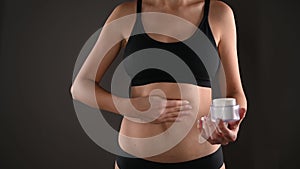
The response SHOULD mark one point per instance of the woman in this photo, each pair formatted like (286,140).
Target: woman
(172,104)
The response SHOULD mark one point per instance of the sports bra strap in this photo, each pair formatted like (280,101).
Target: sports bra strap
(139,6)
(206,9)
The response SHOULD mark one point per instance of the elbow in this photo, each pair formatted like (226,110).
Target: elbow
(74,88)
(72,91)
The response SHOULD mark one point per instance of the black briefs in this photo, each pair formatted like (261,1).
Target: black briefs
(211,161)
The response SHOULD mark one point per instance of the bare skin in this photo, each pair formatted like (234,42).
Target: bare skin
(222,24)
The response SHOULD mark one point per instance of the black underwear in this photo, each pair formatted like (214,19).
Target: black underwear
(211,161)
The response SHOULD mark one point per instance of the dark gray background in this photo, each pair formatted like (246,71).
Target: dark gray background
(40,42)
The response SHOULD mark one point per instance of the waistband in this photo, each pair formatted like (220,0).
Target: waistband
(211,161)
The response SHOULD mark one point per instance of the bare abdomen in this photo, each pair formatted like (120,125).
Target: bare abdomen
(171,141)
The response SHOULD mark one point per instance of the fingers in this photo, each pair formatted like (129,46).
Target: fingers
(176,116)
(217,138)
(206,127)
(172,114)
(224,134)
(178,108)
(172,119)
(175,103)
(228,134)
(219,135)
(172,110)
(169,118)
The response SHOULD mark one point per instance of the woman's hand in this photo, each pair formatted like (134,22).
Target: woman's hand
(156,109)
(224,134)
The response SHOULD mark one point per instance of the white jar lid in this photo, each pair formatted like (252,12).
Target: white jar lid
(224,102)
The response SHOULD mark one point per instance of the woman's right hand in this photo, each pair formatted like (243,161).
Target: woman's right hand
(156,109)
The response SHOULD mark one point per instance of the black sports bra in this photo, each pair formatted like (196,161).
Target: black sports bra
(150,61)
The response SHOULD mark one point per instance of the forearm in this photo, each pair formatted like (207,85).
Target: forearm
(93,95)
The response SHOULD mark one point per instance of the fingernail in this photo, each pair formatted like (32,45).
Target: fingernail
(198,123)
(186,102)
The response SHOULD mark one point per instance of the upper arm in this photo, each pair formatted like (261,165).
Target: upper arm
(227,47)
(108,43)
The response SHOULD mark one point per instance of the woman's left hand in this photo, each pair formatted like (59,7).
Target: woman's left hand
(226,134)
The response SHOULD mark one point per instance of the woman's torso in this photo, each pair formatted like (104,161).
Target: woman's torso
(171,141)
(184,144)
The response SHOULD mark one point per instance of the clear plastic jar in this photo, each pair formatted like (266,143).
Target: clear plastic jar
(225,109)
